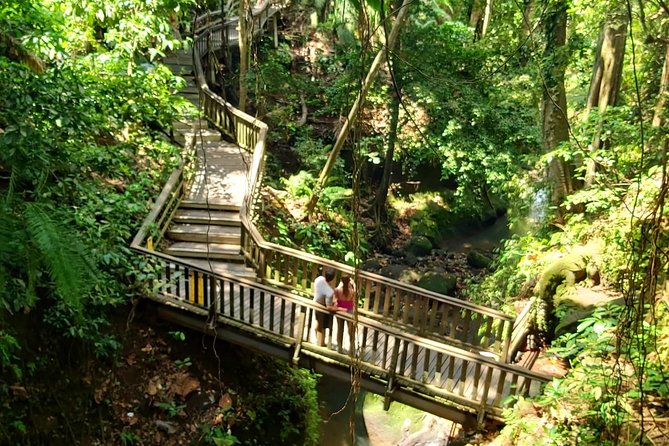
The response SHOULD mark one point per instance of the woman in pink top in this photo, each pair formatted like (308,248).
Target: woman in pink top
(345,299)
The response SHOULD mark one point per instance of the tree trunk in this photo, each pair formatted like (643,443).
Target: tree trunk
(555,128)
(528,11)
(606,76)
(12,49)
(381,196)
(353,113)
(243,52)
(486,18)
(659,118)
(476,13)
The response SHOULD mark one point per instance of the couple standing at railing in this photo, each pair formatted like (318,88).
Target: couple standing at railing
(342,298)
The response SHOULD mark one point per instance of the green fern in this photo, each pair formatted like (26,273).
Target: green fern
(62,254)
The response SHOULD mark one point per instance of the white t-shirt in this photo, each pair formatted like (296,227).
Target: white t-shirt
(323,292)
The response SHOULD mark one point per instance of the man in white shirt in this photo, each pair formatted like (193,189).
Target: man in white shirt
(324,295)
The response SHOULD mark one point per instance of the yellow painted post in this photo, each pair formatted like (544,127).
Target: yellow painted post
(196,288)
(149,243)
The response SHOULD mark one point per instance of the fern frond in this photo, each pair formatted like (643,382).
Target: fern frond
(62,255)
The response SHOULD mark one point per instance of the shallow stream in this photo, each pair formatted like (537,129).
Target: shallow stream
(333,393)
(336,411)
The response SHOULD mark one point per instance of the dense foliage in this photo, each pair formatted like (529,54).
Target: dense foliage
(85,113)
(496,104)
(477,108)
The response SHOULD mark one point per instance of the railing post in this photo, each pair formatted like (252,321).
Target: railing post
(301,323)
(387,399)
(506,341)
(484,398)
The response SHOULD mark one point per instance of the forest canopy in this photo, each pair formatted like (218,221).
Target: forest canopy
(392,124)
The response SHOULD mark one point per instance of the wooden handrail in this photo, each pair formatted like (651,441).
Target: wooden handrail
(404,303)
(400,369)
(167,202)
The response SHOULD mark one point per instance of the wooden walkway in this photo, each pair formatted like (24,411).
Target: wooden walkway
(438,354)
(220,179)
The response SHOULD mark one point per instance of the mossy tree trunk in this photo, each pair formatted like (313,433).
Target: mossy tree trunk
(659,116)
(555,127)
(378,206)
(606,76)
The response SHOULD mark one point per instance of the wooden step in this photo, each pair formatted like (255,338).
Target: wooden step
(189,89)
(191,125)
(185,232)
(213,203)
(180,69)
(207,216)
(225,268)
(218,251)
(199,136)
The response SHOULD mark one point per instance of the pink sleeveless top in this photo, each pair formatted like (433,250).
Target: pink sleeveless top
(344,304)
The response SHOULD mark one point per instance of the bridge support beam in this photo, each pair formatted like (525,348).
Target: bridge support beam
(190,316)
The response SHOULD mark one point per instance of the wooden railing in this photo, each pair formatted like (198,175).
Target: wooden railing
(386,343)
(429,314)
(155,225)
(400,359)
(521,328)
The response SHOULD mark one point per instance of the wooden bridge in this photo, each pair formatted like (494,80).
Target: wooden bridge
(213,271)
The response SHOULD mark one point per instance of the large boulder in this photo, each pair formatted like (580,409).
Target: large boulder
(393,271)
(371,265)
(442,283)
(419,246)
(410,259)
(477,259)
(580,302)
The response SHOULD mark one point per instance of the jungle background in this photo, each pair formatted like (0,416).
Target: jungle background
(550,113)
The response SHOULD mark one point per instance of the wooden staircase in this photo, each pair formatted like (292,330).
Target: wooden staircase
(430,351)
(205,230)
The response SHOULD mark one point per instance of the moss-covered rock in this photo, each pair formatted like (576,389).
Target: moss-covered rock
(477,259)
(419,246)
(443,283)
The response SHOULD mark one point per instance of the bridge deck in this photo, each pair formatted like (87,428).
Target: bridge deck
(220,178)
(274,316)
(433,375)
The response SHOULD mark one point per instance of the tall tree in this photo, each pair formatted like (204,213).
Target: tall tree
(555,127)
(244,40)
(479,17)
(661,105)
(355,108)
(606,76)
(378,205)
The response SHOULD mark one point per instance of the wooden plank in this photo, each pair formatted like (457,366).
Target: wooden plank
(282,318)
(377,297)
(368,291)
(231,294)
(432,323)
(272,309)
(396,307)
(463,378)
(487,333)
(409,301)
(426,366)
(386,302)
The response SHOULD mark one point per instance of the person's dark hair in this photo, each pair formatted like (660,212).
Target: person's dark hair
(329,274)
